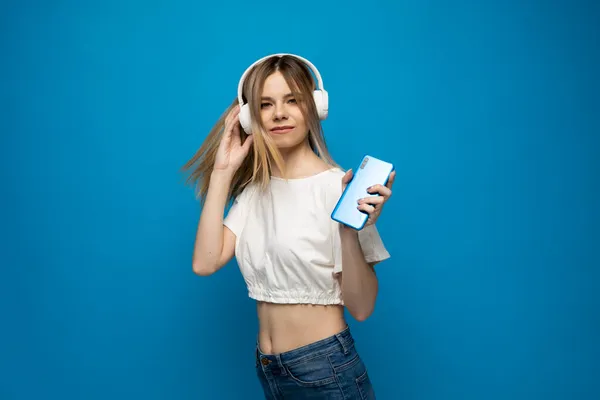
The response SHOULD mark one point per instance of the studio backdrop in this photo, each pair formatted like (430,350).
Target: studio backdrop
(489,110)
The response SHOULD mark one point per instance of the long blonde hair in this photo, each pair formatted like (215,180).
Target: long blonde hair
(257,167)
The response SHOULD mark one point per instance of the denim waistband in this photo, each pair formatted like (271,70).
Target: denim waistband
(340,341)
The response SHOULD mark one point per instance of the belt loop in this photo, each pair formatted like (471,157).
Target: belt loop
(281,367)
(342,342)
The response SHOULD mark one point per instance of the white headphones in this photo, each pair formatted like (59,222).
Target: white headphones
(320,95)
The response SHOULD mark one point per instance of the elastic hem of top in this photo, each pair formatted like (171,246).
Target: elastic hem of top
(291,299)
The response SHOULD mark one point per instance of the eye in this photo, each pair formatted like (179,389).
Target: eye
(263,105)
(293,101)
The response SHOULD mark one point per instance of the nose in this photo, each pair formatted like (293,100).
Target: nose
(279,112)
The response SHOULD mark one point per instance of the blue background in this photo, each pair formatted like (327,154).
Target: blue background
(488,109)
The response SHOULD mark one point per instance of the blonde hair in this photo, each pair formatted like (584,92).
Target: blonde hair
(257,167)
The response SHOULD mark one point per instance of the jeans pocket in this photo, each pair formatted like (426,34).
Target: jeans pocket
(365,388)
(311,373)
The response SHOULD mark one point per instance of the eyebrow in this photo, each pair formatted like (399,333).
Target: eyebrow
(271,99)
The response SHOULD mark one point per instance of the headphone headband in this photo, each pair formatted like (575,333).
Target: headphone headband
(320,95)
(304,60)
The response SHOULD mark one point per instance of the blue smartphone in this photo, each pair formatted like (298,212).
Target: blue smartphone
(371,171)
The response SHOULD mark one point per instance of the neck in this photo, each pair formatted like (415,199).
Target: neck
(298,162)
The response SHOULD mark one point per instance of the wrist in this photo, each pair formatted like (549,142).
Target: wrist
(220,180)
(222,175)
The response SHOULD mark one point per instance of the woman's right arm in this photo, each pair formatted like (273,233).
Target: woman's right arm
(215,244)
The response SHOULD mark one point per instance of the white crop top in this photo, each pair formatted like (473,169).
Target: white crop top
(287,246)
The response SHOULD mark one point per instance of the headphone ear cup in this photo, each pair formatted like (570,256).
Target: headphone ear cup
(245,119)
(322,103)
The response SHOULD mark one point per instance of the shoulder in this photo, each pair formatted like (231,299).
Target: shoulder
(332,179)
(331,176)
(327,182)
(246,193)
(324,188)
(336,172)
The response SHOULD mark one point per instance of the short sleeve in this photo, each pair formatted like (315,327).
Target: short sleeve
(371,244)
(236,216)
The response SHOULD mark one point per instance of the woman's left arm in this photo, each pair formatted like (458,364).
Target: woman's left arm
(358,280)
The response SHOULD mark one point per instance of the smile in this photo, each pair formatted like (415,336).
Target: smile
(282,129)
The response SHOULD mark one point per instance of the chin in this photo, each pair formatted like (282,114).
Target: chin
(288,141)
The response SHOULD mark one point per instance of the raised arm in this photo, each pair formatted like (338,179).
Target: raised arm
(215,243)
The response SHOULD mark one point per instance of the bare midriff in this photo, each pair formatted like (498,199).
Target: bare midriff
(284,327)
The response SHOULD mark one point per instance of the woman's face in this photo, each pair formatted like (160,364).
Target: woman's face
(280,113)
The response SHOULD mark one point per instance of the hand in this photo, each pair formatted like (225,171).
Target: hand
(231,152)
(372,205)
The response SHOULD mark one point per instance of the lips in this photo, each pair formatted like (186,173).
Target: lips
(282,129)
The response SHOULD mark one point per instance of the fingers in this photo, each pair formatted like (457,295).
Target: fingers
(372,205)
(347,177)
(233,113)
(374,200)
(235,131)
(366,208)
(381,190)
(248,143)
(391,180)
(232,120)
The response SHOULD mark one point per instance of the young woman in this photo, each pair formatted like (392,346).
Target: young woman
(299,265)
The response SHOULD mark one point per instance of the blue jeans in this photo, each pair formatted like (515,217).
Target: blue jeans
(327,369)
